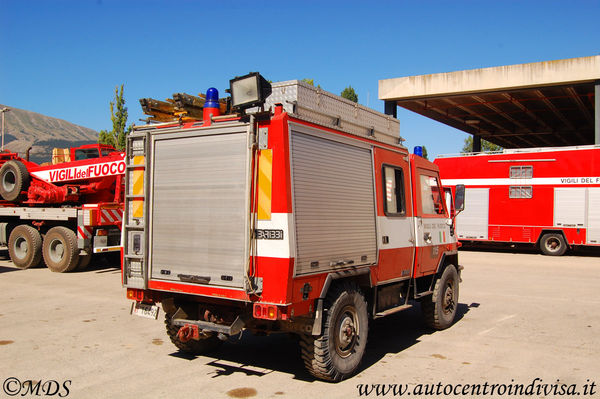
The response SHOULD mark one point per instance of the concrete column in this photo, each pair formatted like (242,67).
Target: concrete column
(391,108)
(597,113)
(476,143)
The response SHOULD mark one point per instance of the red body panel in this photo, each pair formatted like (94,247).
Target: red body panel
(523,220)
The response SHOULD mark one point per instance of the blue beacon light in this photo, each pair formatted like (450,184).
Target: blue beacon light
(211,104)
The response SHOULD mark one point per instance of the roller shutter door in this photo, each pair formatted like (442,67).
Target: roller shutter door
(333,204)
(593,221)
(199,213)
(472,223)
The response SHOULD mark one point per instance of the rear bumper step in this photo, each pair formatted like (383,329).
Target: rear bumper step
(233,329)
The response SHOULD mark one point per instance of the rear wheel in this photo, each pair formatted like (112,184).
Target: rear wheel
(206,344)
(553,244)
(25,246)
(14,178)
(60,249)
(439,309)
(338,351)
(84,262)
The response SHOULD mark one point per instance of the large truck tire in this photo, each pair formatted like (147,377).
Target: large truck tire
(439,309)
(60,249)
(204,345)
(14,178)
(25,246)
(338,351)
(84,262)
(553,244)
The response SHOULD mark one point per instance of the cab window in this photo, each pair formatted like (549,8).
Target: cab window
(432,200)
(393,191)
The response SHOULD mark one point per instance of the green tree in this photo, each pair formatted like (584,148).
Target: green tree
(349,94)
(310,82)
(425,152)
(118,115)
(486,146)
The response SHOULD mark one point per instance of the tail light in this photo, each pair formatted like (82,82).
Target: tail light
(140,295)
(267,312)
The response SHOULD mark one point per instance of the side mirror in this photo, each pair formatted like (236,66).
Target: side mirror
(459,198)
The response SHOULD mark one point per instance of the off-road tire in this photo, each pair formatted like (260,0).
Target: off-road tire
(332,356)
(439,309)
(60,249)
(553,244)
(14,178)
(25,246)
(193,347)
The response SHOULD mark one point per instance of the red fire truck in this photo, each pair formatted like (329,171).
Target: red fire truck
(62,212)
(549,197)
(301,214)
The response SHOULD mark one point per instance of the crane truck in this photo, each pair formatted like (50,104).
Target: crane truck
(297,211)
(63,212)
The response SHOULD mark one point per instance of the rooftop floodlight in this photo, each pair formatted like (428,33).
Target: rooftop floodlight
(249,91)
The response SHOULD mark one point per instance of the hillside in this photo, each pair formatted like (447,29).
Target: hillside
(24,129)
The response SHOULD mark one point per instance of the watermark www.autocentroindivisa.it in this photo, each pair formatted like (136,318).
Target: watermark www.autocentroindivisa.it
(536,387)
(12,386)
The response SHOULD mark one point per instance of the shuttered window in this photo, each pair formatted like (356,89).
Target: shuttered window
(521,172)
(520,192)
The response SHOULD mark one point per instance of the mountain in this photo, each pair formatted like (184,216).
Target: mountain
(24,129)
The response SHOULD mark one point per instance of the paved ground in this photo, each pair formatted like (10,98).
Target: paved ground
(521,316)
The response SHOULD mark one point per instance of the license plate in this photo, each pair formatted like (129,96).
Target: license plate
(144,310)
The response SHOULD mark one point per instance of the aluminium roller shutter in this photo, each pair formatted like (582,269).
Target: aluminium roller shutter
(333,204)
(199,214)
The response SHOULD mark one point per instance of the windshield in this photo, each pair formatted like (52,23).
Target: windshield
(87,153)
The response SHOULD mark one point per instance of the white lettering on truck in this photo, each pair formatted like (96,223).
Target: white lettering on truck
(81,172)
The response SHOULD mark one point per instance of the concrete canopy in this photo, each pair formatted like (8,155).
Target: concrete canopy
(552,103)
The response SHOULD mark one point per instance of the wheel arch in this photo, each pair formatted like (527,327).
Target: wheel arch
(361,277)
(448,258)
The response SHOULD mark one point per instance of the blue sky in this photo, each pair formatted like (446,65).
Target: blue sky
(63,58)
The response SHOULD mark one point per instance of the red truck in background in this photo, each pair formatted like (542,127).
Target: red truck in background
(298,212)
(62,212)
(548,197)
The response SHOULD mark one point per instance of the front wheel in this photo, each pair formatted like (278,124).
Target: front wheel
(439,309)
(553,244)
(338,351)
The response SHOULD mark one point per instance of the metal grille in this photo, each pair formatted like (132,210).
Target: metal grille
(333,204)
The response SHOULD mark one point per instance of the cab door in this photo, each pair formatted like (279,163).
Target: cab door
(394,216)
(432,229)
